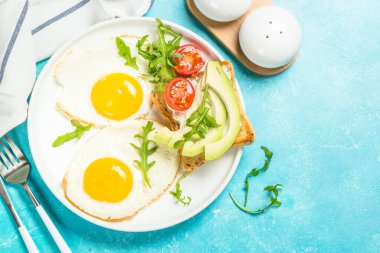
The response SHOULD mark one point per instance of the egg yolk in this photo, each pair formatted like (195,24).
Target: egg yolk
(108,179)
(117,96)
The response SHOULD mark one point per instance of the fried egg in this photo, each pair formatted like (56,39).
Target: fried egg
(104,182)
(98,88)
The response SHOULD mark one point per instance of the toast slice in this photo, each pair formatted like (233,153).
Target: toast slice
(246,135)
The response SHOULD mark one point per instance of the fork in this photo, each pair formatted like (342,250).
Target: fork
(15,170)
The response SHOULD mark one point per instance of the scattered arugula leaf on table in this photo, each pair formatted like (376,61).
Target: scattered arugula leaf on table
(147,148)
(273,200)
(178,192)
(76,134)
(255,172)
(271,189)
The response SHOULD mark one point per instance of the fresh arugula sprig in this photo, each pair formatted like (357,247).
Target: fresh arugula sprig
(271,189)
(76,134)
(125,52)
(178,192)
(199,121)
(147,148)
(160,54)
(255,172)
(273,200)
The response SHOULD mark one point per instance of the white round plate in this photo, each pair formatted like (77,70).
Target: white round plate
(46,123)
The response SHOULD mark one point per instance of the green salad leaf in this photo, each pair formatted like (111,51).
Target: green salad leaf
(76,134)
(271,189)
(255,172)
(160,54)
(125,52)
(178,192)
(273,200)
(199,121)
(147,148)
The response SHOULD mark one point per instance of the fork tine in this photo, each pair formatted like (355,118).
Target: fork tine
(11,157)
(14,148)
(6,164)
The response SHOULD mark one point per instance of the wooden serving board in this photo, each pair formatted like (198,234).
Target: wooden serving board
(228,34)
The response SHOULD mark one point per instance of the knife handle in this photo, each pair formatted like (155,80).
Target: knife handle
(53,230)
(29,243)
(62,245)
(28,240)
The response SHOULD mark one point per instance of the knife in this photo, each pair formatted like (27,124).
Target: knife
(29,243)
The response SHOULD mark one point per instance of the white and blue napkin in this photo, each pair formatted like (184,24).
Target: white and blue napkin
(33,30)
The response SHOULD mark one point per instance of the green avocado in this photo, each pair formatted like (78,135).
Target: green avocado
(226,112)
(178,135)
(163,136)
(219,82)
(192,148)
(168,137)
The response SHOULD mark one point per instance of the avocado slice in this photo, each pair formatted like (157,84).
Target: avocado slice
(163,136)
(218,81)
(219,140)
(196,145)
(192,148)
(178,135)
(168,137)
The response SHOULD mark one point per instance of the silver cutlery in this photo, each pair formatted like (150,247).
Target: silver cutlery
(29,243)
(15,170)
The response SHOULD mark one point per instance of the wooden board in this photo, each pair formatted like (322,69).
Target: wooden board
(228,34)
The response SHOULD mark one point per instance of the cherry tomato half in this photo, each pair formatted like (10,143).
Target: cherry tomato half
(179,94)
(192,60)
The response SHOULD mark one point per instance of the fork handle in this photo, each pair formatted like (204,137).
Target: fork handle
(62,245)
(29,243)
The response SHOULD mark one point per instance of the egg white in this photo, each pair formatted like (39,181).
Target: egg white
(114,142)
(82,66)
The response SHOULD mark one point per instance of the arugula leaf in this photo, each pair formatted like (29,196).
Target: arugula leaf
(178,192)
(76,134)
(147,148)
(125,52)
(273,200)
(200,121)
(160,54)
(271,189)
(255,172)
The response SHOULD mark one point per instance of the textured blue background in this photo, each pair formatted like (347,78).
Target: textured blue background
(321,118)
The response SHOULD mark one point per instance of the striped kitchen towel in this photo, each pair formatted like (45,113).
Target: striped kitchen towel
(33,30)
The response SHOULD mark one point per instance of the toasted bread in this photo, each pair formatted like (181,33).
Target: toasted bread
(246,135)
(159,101)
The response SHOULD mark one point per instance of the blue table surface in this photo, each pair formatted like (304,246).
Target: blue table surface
(321,118)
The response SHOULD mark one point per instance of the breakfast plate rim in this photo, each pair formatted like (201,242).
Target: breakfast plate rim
(34,139)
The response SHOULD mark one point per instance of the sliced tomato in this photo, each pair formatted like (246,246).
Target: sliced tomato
(179,94)
(191,62)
